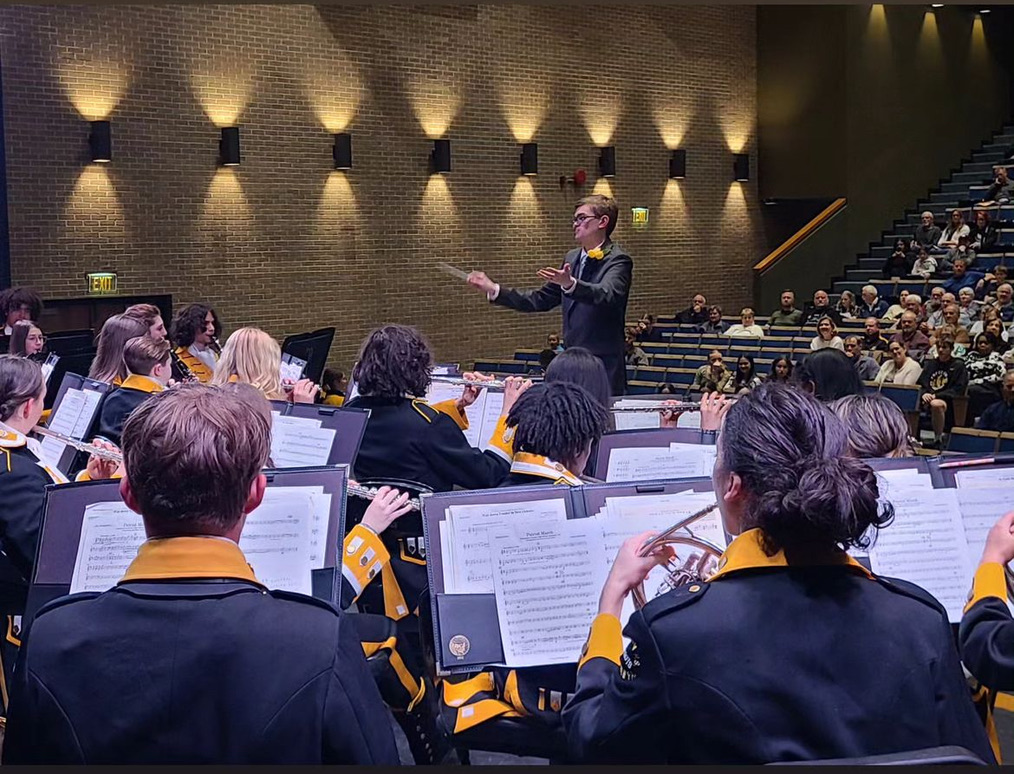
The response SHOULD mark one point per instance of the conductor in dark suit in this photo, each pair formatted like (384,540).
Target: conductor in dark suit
(593,285)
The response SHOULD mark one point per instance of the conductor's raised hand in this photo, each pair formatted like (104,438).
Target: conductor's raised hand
(561,277)
(514,388)
(387,506)
(478,279)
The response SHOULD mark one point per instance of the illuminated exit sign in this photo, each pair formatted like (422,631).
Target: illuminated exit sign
(101,282)
(640,216)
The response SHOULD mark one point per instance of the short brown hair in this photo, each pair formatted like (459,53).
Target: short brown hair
(146,313)
(601,205)
(192,453)
(142,353)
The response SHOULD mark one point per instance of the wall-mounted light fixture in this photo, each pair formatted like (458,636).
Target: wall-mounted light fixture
(607,161)
(678,164)
(530,158)
(228,147)
(100,141)
(342,151)
(440,157)
(740,167)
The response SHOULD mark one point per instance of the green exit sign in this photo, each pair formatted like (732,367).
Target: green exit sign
(640,216)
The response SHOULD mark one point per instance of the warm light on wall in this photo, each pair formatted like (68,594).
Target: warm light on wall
(222,84)
(334,89)
(877,22)
(929,38)
(671,120)
(225,200)
(673,203)
(978,40)
(600,112)
(437,211)
(524,204)
(94,87)
(93,210)
(603,187)
(435,101)
(523,105)
(338,205)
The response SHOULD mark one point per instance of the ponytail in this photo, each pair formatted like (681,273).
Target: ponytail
(20,380)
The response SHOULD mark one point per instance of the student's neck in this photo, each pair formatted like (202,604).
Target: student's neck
(594,243)
(200,347)
(21,425)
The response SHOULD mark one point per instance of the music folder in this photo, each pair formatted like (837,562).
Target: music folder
(88,537)
(307,434)
(659,438)
(75,412)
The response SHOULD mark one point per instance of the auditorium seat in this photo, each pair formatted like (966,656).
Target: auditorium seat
(651,374)
(782,331)
(642,388)
(1006,445)
(527,355)
(972,441)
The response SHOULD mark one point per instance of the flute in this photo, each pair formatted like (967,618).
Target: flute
(367,493)
(102,454)
(678,407)
(493,384)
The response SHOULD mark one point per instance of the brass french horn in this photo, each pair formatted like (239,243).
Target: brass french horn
(697,567)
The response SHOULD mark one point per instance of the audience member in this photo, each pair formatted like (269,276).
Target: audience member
(746,327)
(996,329)
(713,376)
(745,378)
(27,340)
(1001,191)
(898,263)
(874,426)
(715,323)
(646,330)
(961,250)
(987,314)
(945,330)
(962,278)
(927,233)
(999,417)
(925,265)
(821,307)
(19,304)
(696,313)
(781,370)
(1005,302)
(970,309)
(952,317)
(935,319)
(899,368)
(846,307)
(668,389)
(894,310)
(872,340)
(827,374)
(935,302)
(786,315)
(872,305)
(916,342)
(985,289)
(553,343)
(985,233)
(827,335)
(866,366)
(955,229)
(986,370)
(943,379)
(633,354)
(913,303)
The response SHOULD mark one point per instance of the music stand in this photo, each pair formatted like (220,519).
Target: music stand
(313,347)
(659,438)
(78,362)
(63,515)
(73,381)
(349,425)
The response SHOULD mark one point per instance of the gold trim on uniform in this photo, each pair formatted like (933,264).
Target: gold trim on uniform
(450,408)
(746,552)
(989,582)
(604,641)
(364,557)
(501,442)
(189,557)
(142,383)
(543,467)
(197,366)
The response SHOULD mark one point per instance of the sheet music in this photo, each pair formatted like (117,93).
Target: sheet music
(678,460)
(926,545)
(49,365)
(110,536)
(468,538)
(980,509)
(984,479)
(299,442)
(490,416)
(624,420)
(276,540)
(547,579)
(440,392)
(291,369)
(73,418)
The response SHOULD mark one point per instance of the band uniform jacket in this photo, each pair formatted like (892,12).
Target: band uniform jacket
(120,404)
(770,661)
(986,634)
(189,659)
(595,312)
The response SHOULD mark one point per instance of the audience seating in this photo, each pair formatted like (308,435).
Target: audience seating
(971,441)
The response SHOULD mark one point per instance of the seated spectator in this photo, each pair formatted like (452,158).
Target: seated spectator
(821,307)
(646,330)
(899,368)
(19,304)
(936,301)
(872,340)
(866,366)
(875,426)
(711,377)
(668,389)
(916,342)
(828,375)
(827,335)
(27,340)
(985,289)
(746,328)
(715,323)
(846,307)
(553,343)
(935,319)
(1001,191)
(943,379)
(148,372)
(1004,303)
(1001,337)
(898,263)
(962,250)
(925,265)
(781,370)
(927,233)
(953,318)
(633,354)
(999,417)
(696,313)
(962,278)
(987,314)
(786,315)
(894,310)
(745,378)
(956,228)
(970,309)
(913,303)
(946,330)
(986,370)
(985,233)
(872,305)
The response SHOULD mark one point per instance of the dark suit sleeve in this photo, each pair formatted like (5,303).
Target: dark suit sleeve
(987,643)
(23,490)
(356,724)
(455,461)
(540,300)
(613,286)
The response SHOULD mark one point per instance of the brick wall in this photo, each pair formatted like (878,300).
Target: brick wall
(288,244)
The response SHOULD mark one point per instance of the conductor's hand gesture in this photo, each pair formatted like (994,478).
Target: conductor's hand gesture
(561,277)
(478,279)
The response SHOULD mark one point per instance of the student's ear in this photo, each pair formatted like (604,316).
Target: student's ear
(128,495)
(256,493)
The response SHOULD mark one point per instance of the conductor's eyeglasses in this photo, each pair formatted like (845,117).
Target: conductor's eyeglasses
(579,219)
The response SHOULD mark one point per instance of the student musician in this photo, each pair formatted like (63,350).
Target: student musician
(189,658)
(251,356)
(194,332)
(151,316)
(148,372)
(28,340)
(770,658)
(19,304)
(108,365)
(333,387)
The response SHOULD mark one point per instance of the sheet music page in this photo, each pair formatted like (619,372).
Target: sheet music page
(689,419)
(72,418)
(491,415)
(439,392)
(276,539)
(299,442)
(984,479)
(111,533)
(646,463)
(981,508)
(636,420)
(926,545)
(547,578)
(890,482)
(468,538)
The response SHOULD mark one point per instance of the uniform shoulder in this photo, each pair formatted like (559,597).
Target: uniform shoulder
(62,603)
(311,605)
(677,599)
(908,590)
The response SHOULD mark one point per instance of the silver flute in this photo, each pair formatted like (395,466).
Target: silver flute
(494,384)
(678,407)
(369,493)
(102,454)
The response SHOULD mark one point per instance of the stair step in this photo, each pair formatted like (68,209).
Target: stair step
(958,187)
(979,167)
(947,199)
(988,155)
(882,251)
(970,178)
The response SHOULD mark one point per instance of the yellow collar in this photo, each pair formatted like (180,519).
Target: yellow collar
(142,383)
(747,553)
(11,438)
(543,467)
(189,557)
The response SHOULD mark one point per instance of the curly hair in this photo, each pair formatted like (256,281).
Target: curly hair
(558,420)
(189,321)
(394,361)
(13,299)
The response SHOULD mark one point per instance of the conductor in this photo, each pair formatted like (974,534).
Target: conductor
(592,285)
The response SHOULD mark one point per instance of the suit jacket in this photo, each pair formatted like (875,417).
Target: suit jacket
(595,312)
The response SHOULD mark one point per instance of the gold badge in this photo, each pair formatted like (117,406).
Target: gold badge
(459,646)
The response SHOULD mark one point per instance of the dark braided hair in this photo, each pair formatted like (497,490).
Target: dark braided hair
(558,420)
(394,361)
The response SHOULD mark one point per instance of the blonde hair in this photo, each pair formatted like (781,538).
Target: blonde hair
(252,357)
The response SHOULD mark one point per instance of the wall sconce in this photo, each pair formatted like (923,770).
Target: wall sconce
(678,164)
(530,158)
(607,161)
(440,157)
(100,141)
(741,167)
(342,151)
(228,147)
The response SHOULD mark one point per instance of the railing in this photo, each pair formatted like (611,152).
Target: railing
(796,239)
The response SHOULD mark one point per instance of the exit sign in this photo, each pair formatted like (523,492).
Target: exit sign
(101,282)
(640,216)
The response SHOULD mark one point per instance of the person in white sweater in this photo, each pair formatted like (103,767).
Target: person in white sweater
(827,336)
(747,328)
(899,368)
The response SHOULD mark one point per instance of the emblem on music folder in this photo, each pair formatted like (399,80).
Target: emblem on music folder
(459,646)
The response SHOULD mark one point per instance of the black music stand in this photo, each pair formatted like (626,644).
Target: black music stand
(659,437)
(313,347)
(349,425)
(63,514)
(77,382)
(78,362)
